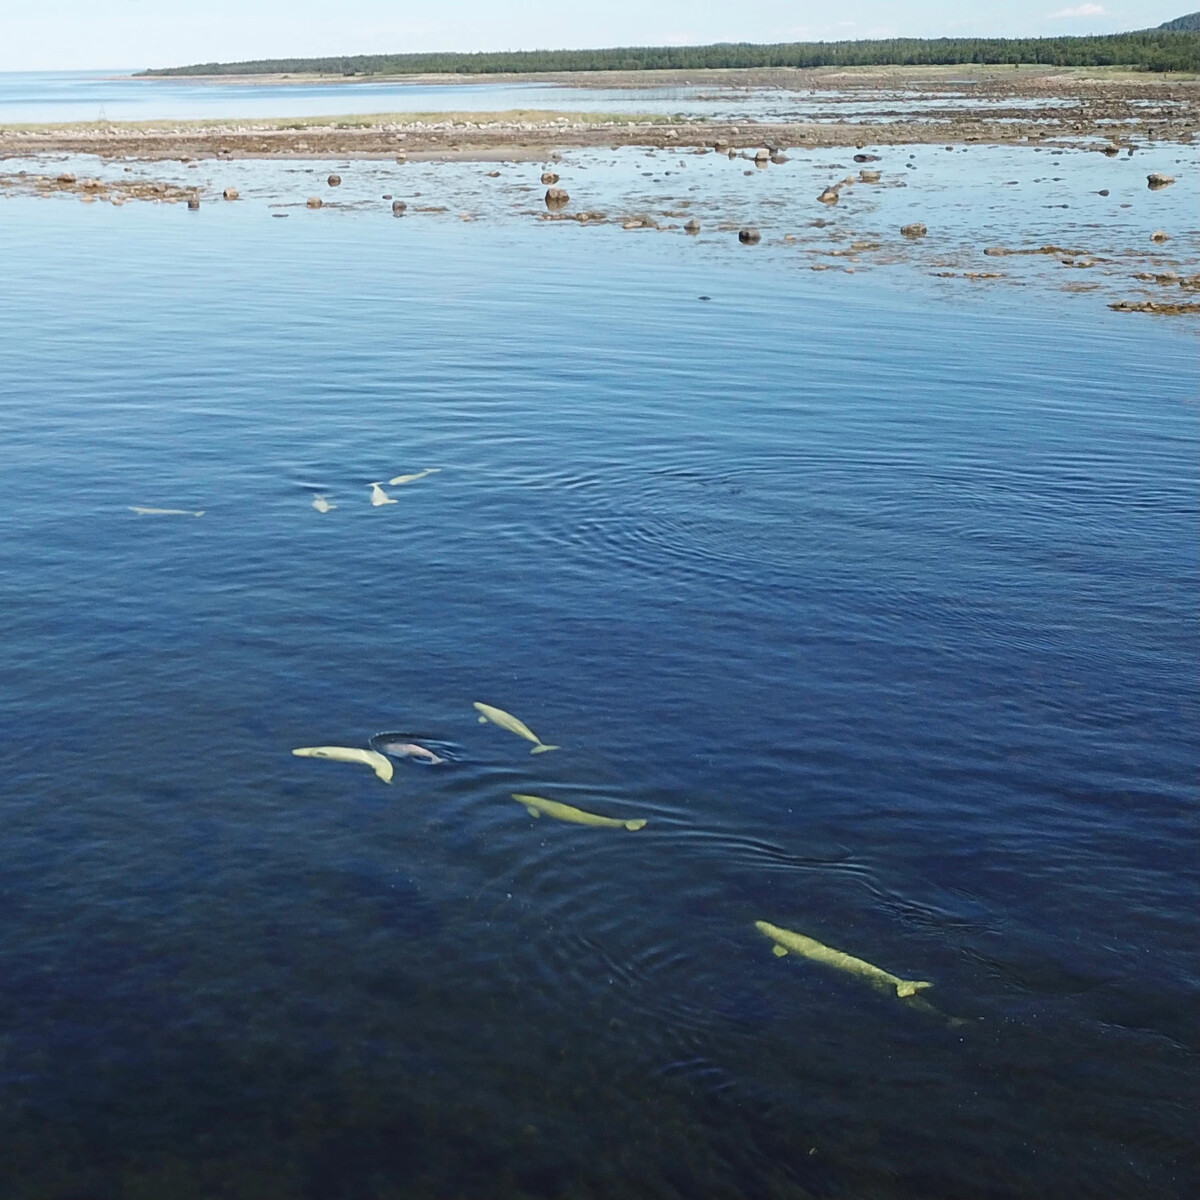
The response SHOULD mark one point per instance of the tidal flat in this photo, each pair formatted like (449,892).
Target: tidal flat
(856,569)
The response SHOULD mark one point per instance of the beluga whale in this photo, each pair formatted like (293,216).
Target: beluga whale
(378,763)
(785,940)
(498,716)
(536,806)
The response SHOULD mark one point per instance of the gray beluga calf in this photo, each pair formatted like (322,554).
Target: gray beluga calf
(378,496)
(412,750)
(350,754)
(505,720)
(399,479)
(785,940)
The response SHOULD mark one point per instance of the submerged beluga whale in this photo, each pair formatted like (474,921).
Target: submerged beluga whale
(352,754)
(498,716)
(785,940)
(537,805)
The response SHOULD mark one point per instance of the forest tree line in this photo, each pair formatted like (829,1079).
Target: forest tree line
(1152,50)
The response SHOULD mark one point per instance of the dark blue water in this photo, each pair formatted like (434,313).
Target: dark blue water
(882,611)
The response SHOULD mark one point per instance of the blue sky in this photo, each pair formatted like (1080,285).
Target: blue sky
(80,34)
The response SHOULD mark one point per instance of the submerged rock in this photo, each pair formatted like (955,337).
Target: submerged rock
(399,208)
(230,193)
(914,230)
(749,237)
(549,177)
(1160,236)
(868,176)
(193,203)
(1156,180)
(862,158)
(315,202)
(334,181)
(692,226)
(829,196)
(557,197)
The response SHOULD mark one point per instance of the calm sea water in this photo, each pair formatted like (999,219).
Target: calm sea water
(41,96)
(882,611)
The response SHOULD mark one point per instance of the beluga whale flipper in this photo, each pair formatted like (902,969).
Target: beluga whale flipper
(498,716)
(378,496)
(878,978)
(537,805)
(378,763)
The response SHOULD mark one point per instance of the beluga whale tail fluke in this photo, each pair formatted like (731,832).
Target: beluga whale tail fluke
(505,720)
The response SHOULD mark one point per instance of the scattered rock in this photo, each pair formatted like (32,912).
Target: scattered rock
(1160,236)
(65,177)
(1156,180)
(334,181)
(315,202)
(493,174)
(1111,151)
(193,203)
(402,158)
(1102,192)
(762,155)
(749,237)
(692,226)
(915,230)
(779,159)
(1154,306)
(829,196)
(230,193)
(549,177)
(868,176)
(399,208)
(862,158)
(557,197)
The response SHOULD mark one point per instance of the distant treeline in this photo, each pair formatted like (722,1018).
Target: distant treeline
(1152,50)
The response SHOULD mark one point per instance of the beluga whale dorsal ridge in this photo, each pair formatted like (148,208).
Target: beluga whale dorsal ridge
(505,720)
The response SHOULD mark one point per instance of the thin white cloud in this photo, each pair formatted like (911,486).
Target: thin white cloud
(1080,10)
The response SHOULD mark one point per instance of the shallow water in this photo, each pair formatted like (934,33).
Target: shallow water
(47,96)
(879,608)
